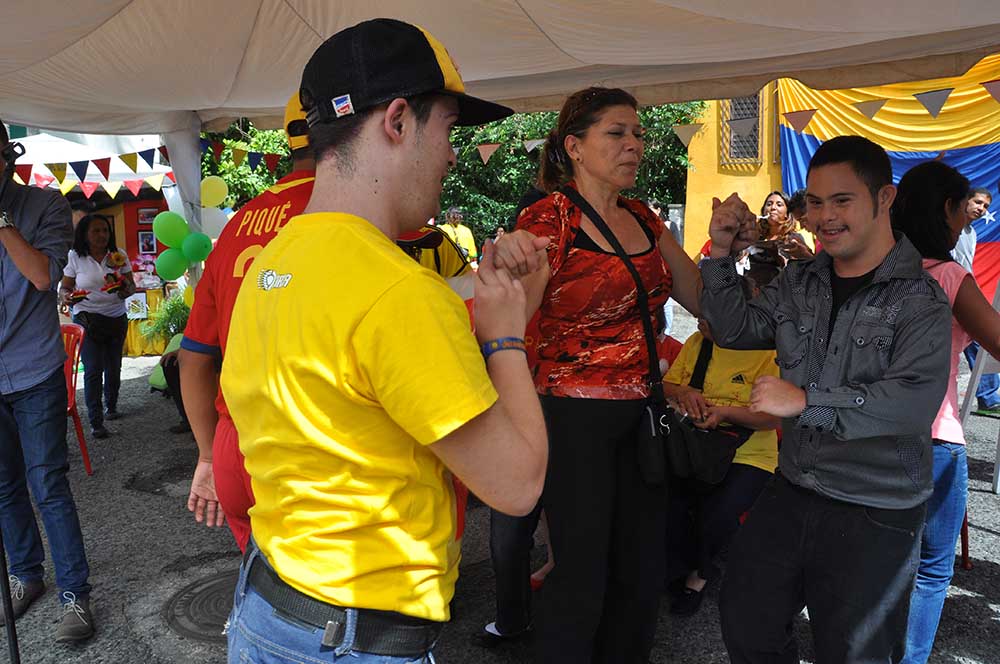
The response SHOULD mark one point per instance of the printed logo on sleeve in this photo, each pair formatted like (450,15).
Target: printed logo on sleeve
(269,279)
(342,106)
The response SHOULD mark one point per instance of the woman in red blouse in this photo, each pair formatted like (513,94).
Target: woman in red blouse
(600,602)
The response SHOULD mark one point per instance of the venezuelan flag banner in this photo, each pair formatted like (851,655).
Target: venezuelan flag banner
(965,134)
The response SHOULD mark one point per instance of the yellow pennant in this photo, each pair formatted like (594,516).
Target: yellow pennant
(131,160)
(66,185)
(155,181)
(238,156)
(17,179)
(58,171)
(112,187)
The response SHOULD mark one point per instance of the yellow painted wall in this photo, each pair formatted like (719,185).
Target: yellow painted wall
(707,178)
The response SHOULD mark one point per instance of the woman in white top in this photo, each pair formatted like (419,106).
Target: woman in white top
(97,266)
(930,210)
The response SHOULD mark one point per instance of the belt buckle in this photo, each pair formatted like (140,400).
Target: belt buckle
(333,635)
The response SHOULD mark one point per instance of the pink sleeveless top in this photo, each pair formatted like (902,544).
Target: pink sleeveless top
(947,425)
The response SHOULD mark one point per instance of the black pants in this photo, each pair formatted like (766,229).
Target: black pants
(172,374)
(852,566)
(101,352)
(701,519)
(600,602)
(511,539)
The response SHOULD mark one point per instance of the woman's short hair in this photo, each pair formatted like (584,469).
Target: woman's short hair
(919,209)
(580,112)
(80,243)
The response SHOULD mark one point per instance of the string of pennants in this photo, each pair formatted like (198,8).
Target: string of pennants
(932,100)
(253,159)
(23,173)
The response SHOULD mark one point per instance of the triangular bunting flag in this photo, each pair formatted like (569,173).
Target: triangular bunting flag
(104,166)
(164,154)
(486,150)
(238,156)
(173,178)
(134,186)
(112,187)
(80,168)
(217,148)
(800,119)
(871,107)
(205,145)
(43,181)
(687,132)
(148,156)
(533,143)
(743,126)
(17,179)
(934,100)
(88,188)
(155,181)
(254,160)
(131,160)
(66,186)
(272,161)
(58,170)
(23,171)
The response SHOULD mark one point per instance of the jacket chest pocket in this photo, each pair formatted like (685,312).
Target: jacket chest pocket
(871,349)
(792,333)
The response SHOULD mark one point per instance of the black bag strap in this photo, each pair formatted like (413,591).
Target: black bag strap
(642,297)
(701,365)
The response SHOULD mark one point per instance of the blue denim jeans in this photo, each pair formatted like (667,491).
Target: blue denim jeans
(945,513)
(33,454)
(258,635)
(987,394)
(102,364)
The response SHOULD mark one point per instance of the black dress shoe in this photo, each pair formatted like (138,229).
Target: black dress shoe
(687,603)
(112,414)
(99,432)
(490,638)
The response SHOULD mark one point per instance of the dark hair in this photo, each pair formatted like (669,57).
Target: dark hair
(919,208)
(338,136)
(784,199)
(80,244)
(797,204)
(868,160)
(4,137)
(579,113)
(976,191)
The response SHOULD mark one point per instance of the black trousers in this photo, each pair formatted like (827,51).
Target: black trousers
(511,539)
(852,566)
(600,602)
(172,374)
(701,519)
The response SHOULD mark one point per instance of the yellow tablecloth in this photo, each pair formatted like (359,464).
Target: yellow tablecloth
(135,343)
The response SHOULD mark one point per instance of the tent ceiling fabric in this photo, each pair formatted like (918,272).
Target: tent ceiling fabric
(144,66)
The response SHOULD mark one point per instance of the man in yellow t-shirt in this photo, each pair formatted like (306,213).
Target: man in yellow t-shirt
(337,343)
(459,232)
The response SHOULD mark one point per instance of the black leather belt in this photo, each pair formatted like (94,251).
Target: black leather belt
(378,632)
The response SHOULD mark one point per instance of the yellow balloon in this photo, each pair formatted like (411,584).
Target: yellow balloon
(188,296)
(213,191)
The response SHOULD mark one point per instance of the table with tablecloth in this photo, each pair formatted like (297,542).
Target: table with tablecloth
(135,343)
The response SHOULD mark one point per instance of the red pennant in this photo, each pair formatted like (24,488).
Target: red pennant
(173,178)
(88,188)
(134,186)
(165,154)
(272,161)
(104,166)
(23,171)
(217,148)
(42,181)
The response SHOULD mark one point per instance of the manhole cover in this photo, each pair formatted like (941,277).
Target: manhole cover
(199,611)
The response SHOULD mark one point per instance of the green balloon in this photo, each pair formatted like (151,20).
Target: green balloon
(171,264)
(197,247)
(170,228)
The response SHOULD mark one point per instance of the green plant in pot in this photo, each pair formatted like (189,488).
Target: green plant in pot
(168,320)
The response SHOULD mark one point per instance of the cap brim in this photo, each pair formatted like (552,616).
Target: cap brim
(475,111)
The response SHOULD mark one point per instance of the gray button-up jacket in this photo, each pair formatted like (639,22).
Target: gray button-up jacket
(872,389)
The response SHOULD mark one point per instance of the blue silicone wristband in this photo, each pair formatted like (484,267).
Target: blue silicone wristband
(503,343)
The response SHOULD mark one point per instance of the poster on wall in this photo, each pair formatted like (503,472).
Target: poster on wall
(146,216)
(136,307)
(147,242)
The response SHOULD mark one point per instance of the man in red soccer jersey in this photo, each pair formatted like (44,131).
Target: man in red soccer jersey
(220,489)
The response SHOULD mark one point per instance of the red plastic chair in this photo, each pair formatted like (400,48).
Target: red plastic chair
(73,340)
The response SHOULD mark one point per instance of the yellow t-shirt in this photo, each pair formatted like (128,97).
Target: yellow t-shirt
(339,349)
(728,382)
(462,235)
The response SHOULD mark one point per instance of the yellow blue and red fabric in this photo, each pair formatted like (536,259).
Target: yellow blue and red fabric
(964,135)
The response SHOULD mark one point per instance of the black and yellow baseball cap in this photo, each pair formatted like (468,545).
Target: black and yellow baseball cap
(296,128)
(380,60)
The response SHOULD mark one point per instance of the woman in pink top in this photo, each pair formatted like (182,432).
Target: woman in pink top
(930,210)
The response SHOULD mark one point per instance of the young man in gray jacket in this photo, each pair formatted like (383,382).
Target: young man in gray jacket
(863,337)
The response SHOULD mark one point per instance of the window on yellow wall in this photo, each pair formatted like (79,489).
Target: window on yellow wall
(737,148)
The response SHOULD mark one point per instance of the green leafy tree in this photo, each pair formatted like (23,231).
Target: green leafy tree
(243,182)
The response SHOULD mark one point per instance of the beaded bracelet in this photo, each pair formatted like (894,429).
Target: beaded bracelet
(503,343)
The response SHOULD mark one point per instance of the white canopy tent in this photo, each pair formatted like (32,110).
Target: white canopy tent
(148,66)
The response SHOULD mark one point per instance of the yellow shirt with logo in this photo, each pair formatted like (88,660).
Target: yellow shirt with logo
(462,236)
(728,381)
(339,349)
